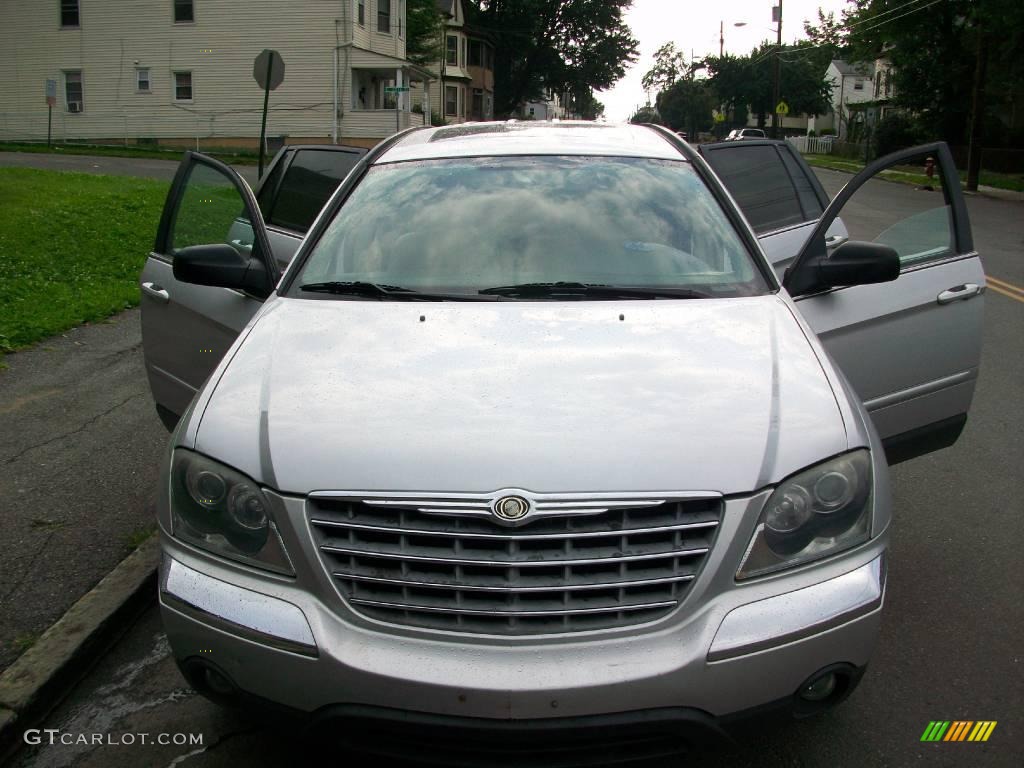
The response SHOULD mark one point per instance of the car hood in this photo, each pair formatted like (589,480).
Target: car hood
(721,395)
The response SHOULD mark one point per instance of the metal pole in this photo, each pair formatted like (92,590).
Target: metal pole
(778,68)
(49,125)
(263,127)
(721,38)
(334,116)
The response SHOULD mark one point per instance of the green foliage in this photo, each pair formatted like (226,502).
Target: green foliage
(568,45)
(669,66)
(687,105)
(424,25)
(739,81)
(647,114)
(896,132)
(71,248)
(935,50)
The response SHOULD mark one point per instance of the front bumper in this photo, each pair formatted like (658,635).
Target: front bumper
(733,650)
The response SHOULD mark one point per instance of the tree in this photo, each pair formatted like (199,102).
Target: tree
(687,105)
(566,45)
(646,114)
(424,25)
(957,65)
(669,66)
(747,81)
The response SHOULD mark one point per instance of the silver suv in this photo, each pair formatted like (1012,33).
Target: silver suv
(551,423)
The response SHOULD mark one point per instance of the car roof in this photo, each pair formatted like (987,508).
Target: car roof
(556,137)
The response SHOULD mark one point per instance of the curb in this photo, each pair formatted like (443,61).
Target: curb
(40,678)
(996,193)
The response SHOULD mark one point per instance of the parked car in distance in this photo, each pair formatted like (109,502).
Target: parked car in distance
(738,134)
(540,425)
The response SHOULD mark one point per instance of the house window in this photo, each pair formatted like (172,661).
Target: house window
(488,57)
(142,84)
(384,16)
(73,90)
(183,12)
(452,55)
(361,13)
(69,13)
(451,100)
(478,104)
(858,85)
(183,86)
(476,54)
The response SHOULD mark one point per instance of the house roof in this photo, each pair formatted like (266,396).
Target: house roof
(846,68)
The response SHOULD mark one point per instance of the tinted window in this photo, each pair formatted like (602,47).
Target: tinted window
(474,223)
(756,176)
(308,183)
(809,202)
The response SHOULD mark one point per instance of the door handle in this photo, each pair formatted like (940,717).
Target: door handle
(965,291)
(835,241)
(158,293)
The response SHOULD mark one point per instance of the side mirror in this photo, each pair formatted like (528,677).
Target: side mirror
(852,263)
(219,264)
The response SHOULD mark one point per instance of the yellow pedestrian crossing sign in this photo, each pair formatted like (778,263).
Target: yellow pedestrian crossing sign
(719,116)
(782,108)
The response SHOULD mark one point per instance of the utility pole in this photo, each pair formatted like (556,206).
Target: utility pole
(778,69)
(977,114)
(721,39)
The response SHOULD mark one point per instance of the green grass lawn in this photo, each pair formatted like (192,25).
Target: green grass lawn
(909,175)
(72,246)
(239,157)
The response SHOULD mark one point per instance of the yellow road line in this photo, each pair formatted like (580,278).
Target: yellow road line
(1005,285)
(1008,294)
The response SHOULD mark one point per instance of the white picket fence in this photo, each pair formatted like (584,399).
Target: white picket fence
(811,145)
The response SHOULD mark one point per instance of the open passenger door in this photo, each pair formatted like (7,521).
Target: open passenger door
(911,347)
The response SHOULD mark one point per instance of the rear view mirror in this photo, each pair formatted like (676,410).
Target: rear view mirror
(221,265)
(852,263)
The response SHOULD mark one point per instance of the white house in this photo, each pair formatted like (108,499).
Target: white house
(851,84)
(553,105)
(180,72)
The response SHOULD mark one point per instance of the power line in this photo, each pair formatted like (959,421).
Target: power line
(866,29)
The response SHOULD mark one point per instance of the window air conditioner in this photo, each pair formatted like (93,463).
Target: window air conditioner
(74,106)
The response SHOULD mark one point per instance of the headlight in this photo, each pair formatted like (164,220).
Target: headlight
(224,512)
(818,512)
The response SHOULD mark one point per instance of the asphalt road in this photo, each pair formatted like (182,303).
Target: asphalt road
(954,614)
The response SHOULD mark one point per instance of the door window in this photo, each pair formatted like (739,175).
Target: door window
(767,183)
(211,210)
(308,183)
(913,218)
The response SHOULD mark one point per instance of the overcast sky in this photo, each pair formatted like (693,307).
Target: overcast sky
(693,24)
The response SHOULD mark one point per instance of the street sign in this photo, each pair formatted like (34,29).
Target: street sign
(782,109)
(719,116)
(268,69)
(396,89)
(51,92)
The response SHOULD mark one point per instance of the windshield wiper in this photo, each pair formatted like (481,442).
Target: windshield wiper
(596,290)
(376,290)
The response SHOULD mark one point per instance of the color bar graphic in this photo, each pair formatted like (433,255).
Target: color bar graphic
(958,730)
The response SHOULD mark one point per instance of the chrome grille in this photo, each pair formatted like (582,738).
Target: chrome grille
(557,572)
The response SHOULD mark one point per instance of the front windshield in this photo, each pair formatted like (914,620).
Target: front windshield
(465,225)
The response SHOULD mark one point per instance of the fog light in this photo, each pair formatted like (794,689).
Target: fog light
(820,689)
